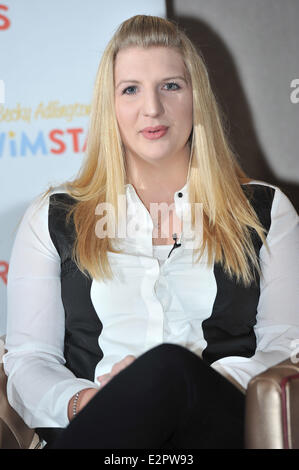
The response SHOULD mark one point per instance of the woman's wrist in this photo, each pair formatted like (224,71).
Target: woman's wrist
(79,400)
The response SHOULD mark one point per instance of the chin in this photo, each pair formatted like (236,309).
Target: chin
(156,158)
(156,154)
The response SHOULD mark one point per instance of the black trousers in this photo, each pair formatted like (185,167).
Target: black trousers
(168,398)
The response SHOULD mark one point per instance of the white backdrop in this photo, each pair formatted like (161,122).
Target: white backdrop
(49,54)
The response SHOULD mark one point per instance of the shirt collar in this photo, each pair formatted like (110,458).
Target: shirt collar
(137,212)
(180,193)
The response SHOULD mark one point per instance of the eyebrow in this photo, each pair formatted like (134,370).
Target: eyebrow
(163,80)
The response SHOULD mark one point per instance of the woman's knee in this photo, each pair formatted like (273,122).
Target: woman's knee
(169,354)
(165,350)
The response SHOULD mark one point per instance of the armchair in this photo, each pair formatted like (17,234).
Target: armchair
(272,408)
(271,416)
(14,433)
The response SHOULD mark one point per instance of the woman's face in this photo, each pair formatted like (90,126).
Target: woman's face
(152,90)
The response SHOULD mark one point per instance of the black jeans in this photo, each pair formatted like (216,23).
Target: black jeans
(167,398)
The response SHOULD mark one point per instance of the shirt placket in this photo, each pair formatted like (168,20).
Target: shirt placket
(154,275)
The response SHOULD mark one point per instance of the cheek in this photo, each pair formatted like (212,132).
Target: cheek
(125,115)
(119,112)
(187,111)
(182,111)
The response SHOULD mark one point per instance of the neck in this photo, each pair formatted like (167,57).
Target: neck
(161,179)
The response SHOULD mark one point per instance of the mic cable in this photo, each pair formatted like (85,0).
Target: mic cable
(175,245)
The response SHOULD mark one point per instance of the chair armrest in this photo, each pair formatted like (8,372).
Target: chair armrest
(272,408)
(14,433)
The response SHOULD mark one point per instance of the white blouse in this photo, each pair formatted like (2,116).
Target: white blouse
(153,299)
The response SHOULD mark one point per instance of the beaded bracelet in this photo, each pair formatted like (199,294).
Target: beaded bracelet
(75,403)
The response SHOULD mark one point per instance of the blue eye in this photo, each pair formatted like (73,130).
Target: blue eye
(128,90)
(173,86)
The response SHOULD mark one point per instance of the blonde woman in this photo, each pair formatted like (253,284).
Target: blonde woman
(136,327)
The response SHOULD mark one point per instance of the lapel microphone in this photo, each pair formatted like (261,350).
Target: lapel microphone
(175,245)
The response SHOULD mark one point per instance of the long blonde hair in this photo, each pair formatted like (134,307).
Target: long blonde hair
(215,176)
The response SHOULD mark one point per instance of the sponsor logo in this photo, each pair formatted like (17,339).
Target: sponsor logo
(50,110)
(4,20)
(56,141)
(36,139)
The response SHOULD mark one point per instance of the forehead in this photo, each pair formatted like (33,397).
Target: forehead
(148,61)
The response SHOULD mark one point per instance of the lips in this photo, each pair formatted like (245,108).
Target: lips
(153,133)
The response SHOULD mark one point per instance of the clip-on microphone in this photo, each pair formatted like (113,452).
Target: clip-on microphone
(176,245)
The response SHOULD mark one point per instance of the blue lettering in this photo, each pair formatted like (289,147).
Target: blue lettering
(13,148)
(33,146)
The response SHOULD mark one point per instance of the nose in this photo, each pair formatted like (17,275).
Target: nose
(152,105)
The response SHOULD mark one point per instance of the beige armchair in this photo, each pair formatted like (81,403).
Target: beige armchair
(14,434)
(272,408)
(271,422)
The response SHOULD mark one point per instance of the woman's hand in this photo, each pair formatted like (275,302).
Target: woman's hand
(117,367)
(87,394)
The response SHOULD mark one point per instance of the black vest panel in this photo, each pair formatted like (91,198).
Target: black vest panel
(82,324)
(229,330)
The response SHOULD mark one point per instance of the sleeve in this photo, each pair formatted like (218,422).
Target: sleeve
(39,385)
(277,326)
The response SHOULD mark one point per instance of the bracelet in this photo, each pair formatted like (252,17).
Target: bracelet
(76,403)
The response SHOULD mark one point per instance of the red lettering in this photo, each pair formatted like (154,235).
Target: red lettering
(74,133)
(54,139)
(5,21)
(85,145)
(3,271)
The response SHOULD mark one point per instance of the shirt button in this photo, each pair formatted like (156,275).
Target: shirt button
(180,194)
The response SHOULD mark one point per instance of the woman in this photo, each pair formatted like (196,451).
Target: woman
(131,341)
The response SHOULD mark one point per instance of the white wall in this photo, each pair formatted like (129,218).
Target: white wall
(49,54)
